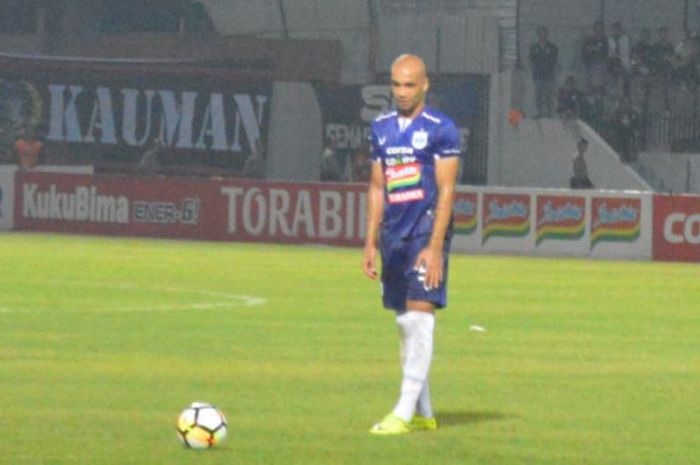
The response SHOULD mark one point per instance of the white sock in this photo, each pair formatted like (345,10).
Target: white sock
(424,406)
(416,329)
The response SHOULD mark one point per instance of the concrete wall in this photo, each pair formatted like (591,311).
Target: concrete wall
(343,20)
(539,153)
(295,138)
(450,44)
(457,37)
(679,172)
(604,165)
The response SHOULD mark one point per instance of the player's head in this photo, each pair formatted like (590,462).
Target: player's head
(409,84)
(582,145)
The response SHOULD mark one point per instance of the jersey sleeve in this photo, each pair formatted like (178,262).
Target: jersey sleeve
(448,143)
(374,152)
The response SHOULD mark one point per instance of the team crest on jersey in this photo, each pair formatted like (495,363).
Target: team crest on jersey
(419,140)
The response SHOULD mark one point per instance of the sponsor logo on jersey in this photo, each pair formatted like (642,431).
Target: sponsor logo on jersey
(506,215)
(400,160)
(399,150)
(407,196)
(465,213)
(419,140)
(615,219)
(402,176)
(560,218)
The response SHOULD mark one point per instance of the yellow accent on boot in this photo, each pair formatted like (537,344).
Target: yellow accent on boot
(390,425)
(421,423)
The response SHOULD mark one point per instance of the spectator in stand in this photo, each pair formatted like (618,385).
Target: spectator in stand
(595,61)
(642,53)
(361,165)
(150,160)
(687,72)
(28,149)
(331,168)
(571,102)
(662,58)
(641,66)
(256,164)
(580,179)
(196,21)
(619,51)
(543,60)
(619,57)
(624,130)
(595,57)
(663,52)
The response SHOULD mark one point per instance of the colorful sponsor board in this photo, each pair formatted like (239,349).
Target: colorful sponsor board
(615,219)
(465,213)
(560,218)
(330,214)
(619,226)
(505,215)
(676,228)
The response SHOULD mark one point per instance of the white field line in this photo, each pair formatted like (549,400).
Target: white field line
(211,300)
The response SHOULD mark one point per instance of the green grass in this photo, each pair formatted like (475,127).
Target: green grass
(104,341)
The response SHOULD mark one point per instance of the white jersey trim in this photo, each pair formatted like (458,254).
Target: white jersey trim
(431,117)
(385,116)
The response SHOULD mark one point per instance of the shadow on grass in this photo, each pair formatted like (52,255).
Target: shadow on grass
(447,419)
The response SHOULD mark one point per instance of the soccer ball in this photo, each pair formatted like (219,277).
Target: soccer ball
(201,426)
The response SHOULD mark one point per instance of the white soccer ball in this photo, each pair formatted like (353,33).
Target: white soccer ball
(201,426)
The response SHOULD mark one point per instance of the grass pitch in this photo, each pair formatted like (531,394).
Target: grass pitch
(104,341)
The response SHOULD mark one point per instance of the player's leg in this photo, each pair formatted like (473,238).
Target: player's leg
(416,322)
(422,302)
(424,418)
(417,326)
(394,259)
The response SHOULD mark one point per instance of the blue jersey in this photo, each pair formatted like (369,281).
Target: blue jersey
(408,158)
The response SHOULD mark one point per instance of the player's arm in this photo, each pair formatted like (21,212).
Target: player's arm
(375,213)
(431,257)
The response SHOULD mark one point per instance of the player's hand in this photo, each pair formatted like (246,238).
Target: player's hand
(430,260)
(369,262)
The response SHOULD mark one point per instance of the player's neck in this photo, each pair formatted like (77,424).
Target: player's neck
(412,114)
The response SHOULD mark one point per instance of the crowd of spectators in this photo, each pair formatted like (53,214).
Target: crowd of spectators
(621,82)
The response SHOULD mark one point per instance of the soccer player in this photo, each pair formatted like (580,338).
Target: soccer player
(415,160)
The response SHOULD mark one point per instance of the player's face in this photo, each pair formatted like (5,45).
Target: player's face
(409,85)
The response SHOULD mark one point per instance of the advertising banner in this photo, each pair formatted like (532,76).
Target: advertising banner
(544,222)
(620,226)
(221,210)
(552,222)
(560,223)
(7,197)
(677,228)
(86,112)
(506,221)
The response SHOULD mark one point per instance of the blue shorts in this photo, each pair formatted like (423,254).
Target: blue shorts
(400,282)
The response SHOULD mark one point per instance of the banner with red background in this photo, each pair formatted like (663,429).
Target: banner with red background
(331,214)
(676,228)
